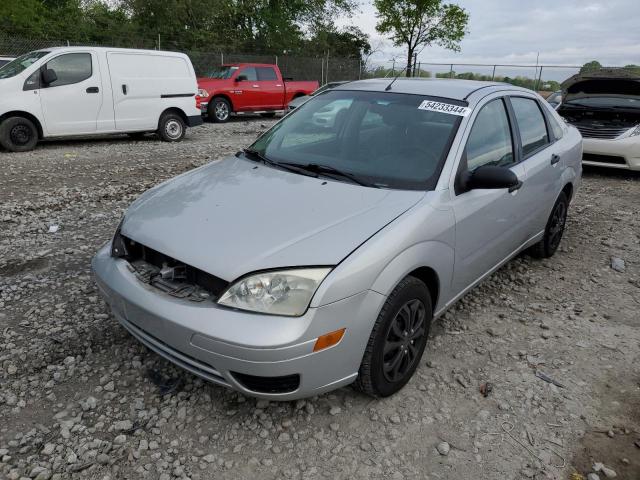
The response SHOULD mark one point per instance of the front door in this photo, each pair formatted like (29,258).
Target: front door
(489,225)
(271,88)
(246,84)
(71,103)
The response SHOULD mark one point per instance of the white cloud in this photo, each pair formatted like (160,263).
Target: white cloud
(569,32)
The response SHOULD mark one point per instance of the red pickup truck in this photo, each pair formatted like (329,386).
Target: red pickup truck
(248,87)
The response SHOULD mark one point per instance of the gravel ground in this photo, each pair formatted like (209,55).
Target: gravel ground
(79,397)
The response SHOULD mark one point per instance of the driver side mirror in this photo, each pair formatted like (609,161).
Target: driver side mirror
(49,76)
(241,78)
(491,177)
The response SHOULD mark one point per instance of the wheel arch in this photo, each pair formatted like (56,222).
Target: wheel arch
(177,110)
(298,95)
(568,190)
(226,97)
(27,115)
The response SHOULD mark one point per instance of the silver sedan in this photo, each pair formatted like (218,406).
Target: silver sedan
(319,256)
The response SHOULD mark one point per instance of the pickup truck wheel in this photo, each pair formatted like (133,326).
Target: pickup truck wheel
(171,127)
(397,341)
(18,134)
(220,110)
(268,114)
(550,242)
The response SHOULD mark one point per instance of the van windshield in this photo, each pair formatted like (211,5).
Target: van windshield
(381,139)
(222,72)
(20,64)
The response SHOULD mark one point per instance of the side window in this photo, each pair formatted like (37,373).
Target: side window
(555,127)
(250,73)
(266,73)
(533,129)
(490,140)
(70,68)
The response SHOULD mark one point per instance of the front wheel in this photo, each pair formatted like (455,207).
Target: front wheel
(18,134)
(220,110)
(554,229)
(397,341)
(171,127)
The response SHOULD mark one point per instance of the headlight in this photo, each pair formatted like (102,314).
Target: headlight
(202,93)
(284,292)
(118,248)
(635,132)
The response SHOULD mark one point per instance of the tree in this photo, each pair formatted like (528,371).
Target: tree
(591,66)
(418,24)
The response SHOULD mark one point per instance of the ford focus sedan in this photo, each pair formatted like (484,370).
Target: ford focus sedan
(319,256)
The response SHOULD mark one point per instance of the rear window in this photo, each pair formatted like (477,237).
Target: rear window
(533,129)
(266,73)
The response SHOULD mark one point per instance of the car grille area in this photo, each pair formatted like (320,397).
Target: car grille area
(168,274)
(594,157)
(283,384)
(595,131)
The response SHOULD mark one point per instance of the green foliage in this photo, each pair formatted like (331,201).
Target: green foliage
(591,66)
(525,82)
(418,24)
(253,26)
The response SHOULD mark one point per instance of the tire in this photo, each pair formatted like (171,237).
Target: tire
(18,134)
(377,376)
(171,127)
(268,114)
(219,110)
(553,231)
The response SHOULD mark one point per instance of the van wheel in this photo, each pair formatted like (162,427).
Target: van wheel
(171,127)
(397,341)
(220,110)
(268,114)
(18,134)
(550,242)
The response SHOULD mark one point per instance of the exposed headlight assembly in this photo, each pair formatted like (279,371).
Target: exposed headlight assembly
(118,248)
(283,292)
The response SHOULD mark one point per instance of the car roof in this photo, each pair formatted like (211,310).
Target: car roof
(107,49)
(435,87)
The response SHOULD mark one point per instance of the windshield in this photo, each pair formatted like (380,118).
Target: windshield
(20,64)
(381,138)
(222,72)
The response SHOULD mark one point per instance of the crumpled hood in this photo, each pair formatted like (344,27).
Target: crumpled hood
(604,82)
(233,217)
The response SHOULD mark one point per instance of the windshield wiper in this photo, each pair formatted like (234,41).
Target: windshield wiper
(328,170)
(256,155)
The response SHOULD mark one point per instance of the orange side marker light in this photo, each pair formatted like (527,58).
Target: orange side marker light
(328,340)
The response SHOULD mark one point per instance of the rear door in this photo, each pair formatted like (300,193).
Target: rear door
(271,88)
(71,104)
(541,160)
(489,226)
(145,84)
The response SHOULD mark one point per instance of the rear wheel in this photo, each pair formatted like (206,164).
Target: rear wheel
(18,134)
(550,242)
(220,110)
(171,127)
(397,341)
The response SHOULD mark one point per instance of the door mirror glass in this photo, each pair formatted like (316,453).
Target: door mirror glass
(490,176)
(241,78)
(49,76)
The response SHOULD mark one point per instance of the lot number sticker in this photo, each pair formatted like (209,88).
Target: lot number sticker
(444,108)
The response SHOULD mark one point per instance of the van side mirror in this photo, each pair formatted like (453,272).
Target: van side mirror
(489,176)
(49,76)
(241,78)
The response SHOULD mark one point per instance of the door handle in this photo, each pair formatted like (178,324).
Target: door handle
(124,89)
(93,90)
(516,187)
(555,159)
(255,86)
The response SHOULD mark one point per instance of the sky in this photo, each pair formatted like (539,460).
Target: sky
(563,32)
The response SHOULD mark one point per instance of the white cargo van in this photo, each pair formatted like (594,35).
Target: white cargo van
(67,91)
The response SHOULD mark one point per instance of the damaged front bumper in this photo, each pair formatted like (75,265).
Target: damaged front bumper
(260,355)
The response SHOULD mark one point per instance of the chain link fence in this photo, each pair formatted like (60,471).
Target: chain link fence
(323,69)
